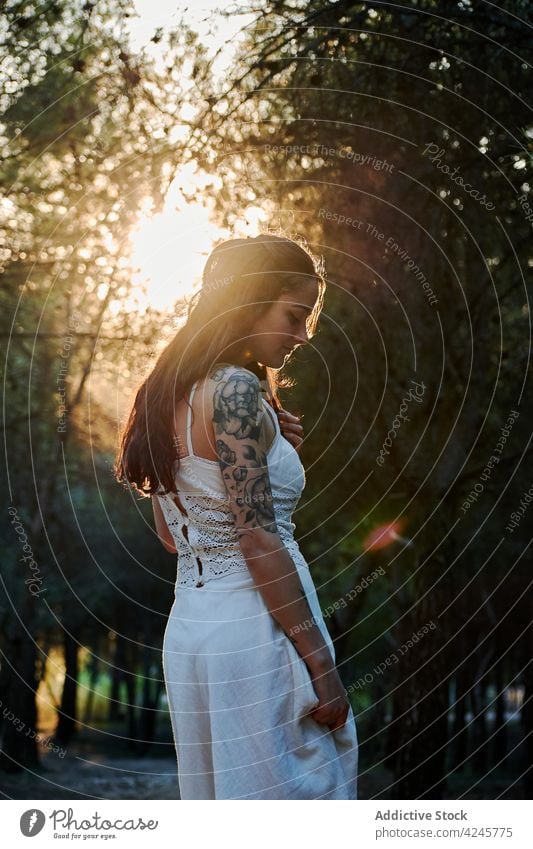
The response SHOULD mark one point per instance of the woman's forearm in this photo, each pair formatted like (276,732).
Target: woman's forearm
(278,581)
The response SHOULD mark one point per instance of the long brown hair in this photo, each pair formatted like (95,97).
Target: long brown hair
(241,279)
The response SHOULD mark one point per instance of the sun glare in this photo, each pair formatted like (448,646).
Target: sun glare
(169,249)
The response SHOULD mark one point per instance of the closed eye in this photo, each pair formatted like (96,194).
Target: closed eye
(294,319)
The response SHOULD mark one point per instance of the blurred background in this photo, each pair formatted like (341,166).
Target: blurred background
(397,139)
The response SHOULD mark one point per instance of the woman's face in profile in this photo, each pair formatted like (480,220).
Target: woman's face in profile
(283,326)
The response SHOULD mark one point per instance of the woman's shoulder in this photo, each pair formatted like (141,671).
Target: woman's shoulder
(226,371)
(227,378)
(222,377)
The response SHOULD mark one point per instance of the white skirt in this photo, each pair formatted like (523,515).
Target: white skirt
(239,694)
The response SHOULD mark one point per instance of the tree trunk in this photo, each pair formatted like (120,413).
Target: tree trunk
(526,717)
(391,751)
(500,727)
(151,693)
(459,749)
(422,675)
(118,664)
(420,768)
(94,674)
(130,681)
(18,685)
(480,726)
(124,665)
(66,727)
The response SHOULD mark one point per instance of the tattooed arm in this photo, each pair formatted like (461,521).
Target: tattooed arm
(240,435)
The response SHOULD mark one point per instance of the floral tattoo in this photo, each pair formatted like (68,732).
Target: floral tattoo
(237,416)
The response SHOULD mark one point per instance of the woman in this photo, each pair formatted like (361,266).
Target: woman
(257,706)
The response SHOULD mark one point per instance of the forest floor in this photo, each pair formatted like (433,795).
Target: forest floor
(97,768)
(85,772)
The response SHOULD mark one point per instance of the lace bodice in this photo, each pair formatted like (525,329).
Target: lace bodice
(206,539)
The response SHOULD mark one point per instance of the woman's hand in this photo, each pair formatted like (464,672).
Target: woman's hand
(291,428)
(333,706)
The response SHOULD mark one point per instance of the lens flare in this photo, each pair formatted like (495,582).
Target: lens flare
(385,534)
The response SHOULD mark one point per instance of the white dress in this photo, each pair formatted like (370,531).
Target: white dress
(237,688)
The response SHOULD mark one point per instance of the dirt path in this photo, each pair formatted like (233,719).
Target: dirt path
(94,776)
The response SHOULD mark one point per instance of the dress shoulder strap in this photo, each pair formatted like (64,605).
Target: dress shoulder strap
(271,414)
(273,417)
